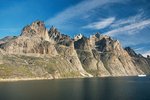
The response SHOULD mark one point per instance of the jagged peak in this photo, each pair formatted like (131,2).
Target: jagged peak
(78,36)
(38,25)
(59,38)
(8,37)
(106,37)
(38,22)
(36,29)
(130,51)
(97,34)
(53,28)
(84,38)
(148,56)
(54,33)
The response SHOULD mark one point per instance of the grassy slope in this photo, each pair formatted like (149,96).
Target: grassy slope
(30,67)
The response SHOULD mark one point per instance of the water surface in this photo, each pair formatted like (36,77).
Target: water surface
(124,88)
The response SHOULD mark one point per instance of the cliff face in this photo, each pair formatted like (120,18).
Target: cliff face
(139,61)
(115,58)
(39,52)
(90,57)
(105,55)
(34,40)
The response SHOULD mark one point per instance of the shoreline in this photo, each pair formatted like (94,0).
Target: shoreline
(42,78)
(23,79)
(37,78)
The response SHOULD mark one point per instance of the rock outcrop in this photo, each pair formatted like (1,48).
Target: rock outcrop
(7,39)
(112,59)
(90,57)
(131,52)
(39,52)
(59,38)
(148,56)
(139,61)
(115,59)
(34,40)
(77,37)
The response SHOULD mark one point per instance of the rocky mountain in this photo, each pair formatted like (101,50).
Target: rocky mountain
(42,53)
(6,39)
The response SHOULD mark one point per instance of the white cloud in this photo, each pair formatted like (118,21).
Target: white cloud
(130,25)
(146,53)
(75,11)
(137,18)
(128,28)
(100,24)
(139,49)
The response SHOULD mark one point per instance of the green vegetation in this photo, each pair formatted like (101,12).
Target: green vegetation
(15,66)
(10,71)
(70,74)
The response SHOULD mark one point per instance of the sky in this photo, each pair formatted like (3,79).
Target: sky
(125,20)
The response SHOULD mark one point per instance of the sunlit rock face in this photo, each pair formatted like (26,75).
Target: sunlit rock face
(65,47)
(90,57)
(112,59)
(77,37)
(1,56)
(34,39)
(39,52)
(36,29)
(59,58)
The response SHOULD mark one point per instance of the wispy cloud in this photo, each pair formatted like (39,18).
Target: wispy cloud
(139,49)
(133,19)
(129,28)
(100,24)
(77,10)
(130,25)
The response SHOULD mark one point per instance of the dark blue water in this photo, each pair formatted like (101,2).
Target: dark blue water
(124,88)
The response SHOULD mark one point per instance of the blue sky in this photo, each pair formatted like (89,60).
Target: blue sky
(125,20)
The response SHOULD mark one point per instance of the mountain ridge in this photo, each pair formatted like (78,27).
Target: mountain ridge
(39,52)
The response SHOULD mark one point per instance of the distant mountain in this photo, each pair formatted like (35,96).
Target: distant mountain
(7,39)
(42,53)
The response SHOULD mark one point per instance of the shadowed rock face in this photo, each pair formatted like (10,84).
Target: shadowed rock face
(139,61)
(82,44)
(112,58)
(38,52)
(59,38)
(131,52)
(148,56)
